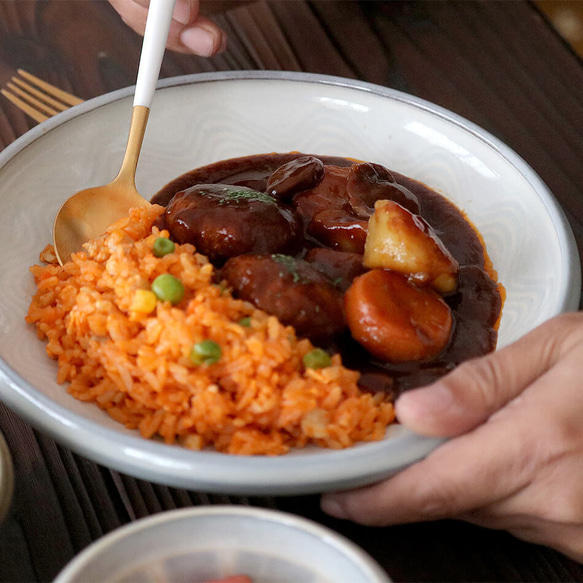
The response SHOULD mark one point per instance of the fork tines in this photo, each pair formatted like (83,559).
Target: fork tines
(37,98)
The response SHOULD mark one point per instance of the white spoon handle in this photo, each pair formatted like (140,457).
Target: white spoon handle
(155,37)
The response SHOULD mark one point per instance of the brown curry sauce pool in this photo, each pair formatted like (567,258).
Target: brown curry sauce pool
(333,246)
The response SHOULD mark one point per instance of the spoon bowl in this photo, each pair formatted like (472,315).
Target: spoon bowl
(75,224)
(88,213)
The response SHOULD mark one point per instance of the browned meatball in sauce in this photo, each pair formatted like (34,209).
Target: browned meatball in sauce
(291,289)
(224,221)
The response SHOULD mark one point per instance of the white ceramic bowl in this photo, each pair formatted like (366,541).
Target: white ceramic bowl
(199,119)
(212,542)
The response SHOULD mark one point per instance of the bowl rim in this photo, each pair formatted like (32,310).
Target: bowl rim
(350,467)
(304,525)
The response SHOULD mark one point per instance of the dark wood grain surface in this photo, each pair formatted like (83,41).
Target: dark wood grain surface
(498,64)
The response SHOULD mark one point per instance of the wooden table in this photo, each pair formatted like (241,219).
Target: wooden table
(499,64)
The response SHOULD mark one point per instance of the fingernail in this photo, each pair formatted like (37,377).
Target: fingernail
(332,507)
(429,400)
(199,41)
(182,12)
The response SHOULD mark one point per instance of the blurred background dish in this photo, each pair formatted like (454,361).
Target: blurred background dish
(211,543)
(203,118)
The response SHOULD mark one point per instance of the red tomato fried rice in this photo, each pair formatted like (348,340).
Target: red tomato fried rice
(257,399)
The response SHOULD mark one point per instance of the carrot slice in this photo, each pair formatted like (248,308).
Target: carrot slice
(395,320)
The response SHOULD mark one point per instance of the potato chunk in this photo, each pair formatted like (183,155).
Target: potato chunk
(403,242)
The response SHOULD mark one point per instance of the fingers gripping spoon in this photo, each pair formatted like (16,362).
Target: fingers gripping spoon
(89,212)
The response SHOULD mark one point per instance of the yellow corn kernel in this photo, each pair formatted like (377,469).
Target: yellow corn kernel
(144,301)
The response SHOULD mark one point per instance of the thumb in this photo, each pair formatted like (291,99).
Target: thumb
(476,389)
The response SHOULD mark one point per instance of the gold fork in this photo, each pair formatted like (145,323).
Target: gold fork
(37,98)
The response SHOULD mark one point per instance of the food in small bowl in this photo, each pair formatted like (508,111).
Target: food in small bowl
(277,301)
(223,544)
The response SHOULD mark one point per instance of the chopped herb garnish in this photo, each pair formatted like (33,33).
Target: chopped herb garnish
(245,194)
(290,264)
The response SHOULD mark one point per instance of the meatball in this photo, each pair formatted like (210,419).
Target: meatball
(224,221)
(290,289)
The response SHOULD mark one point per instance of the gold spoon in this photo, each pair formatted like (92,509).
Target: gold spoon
(88,213)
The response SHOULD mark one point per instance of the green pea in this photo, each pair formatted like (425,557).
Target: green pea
(317,358)
(206,352)
(168,288)
(245,321)
(163,246)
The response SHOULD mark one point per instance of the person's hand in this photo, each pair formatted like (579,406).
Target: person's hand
(516,458)
(190,32)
